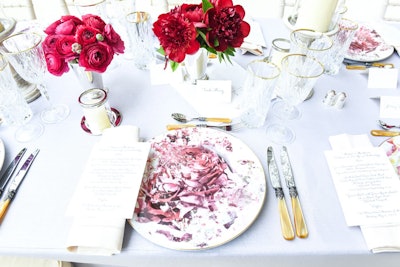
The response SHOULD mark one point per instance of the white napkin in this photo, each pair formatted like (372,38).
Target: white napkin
(254,42)
(385,238)
(10,261)
(101,235)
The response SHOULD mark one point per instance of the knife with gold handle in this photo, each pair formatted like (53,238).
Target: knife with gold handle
(384,133)
(370,65)
(299,222)
(286,224)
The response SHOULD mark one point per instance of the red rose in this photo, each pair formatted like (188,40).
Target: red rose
(177,35)
(227,28)
(94,22)
(96,57)
(113,39)
(86,35)
(66,25)
(55,64)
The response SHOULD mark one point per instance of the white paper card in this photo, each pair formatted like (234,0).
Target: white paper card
(390,107)
(382,78)
(367,186)
(215,91)
(111,180)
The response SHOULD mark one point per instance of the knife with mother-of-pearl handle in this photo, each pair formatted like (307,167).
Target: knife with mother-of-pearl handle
(286,224)
(12,190)
(287,172)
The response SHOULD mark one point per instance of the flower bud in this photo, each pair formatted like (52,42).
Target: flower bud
(99,37)
(76,48)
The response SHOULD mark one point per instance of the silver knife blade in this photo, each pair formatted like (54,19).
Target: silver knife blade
(287,172)
(22,172)
(10,170)
(286,224)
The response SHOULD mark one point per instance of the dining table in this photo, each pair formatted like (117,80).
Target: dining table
(36,224)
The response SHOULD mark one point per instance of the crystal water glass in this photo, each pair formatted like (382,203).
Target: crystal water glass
(25,53)
(14,110)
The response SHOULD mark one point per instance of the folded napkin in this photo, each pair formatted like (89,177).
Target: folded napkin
(99,230)
(254,42)
(382,238)
(10,261)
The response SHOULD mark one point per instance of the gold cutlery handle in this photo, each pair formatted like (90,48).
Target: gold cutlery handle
(225,120)
(179,126)
(286,225)
(299,222)
(3,208)
(355,67)
(384,133)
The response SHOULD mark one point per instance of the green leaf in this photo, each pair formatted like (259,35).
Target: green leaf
(161,50)
(206,5)
(174,65)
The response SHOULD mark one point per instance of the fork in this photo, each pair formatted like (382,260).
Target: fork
(228,128)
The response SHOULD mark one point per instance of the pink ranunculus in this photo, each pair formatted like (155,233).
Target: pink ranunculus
(96,57)
(49,43)
(56,64)
(113,39)
(86,35)
(94,21)
(177,35)
(66,26)
(64,47)
(227,28)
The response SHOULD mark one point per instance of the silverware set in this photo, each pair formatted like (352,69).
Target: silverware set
(226,123)
(388,130)
(273,170)
(16,181)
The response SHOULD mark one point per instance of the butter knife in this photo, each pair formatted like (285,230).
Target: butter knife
(286,225)
(16,183)
(287,172)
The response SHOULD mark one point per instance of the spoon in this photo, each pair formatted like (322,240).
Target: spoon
(387,126)
(182,118)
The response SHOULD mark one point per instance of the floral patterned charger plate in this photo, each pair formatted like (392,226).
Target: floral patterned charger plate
(392,148)
(201,188)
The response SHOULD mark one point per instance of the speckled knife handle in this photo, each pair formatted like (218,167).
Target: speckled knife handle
(286,225)
(299,222)
(179,126)
(384,133)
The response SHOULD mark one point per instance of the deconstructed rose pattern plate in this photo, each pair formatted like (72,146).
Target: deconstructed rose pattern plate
(201,188)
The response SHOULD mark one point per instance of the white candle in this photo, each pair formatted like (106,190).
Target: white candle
(316,14)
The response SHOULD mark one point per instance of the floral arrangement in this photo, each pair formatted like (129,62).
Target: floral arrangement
(89,42)
(216,25)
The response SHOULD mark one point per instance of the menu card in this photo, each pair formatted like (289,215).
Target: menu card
(367,186)
(107,191)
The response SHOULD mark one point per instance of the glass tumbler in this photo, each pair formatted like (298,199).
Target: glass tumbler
(341,43)
(141,36)
(258,88)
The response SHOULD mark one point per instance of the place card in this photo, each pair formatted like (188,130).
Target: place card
(381,78)
(214,91)
(389,107)
(367,186)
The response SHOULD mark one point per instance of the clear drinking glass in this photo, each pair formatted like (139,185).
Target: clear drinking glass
(24,52)
(14,110)
(94,7)
(258,88)
(141,35)
(311,43)
(299,75)
(341,43)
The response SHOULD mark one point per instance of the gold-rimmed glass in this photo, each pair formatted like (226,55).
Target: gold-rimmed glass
(25,53)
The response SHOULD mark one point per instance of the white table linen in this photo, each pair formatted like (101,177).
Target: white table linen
(36,224)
